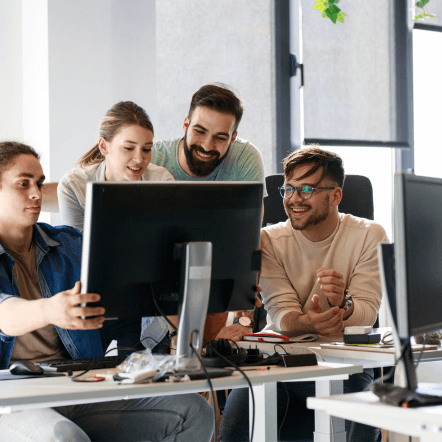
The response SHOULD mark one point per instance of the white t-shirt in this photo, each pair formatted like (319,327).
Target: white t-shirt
(72,189)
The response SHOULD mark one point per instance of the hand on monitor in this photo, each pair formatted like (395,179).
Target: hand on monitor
(332,284)
(64,311)
(328,323)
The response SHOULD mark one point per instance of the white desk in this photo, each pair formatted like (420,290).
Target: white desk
(425,422)
(367,357)
(22,394)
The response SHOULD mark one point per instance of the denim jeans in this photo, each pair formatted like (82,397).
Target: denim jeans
(299,423)
(180,418)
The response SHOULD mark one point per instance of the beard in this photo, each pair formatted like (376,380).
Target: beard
(316,216)
(199,167)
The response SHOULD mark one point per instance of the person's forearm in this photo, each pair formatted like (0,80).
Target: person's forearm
(49,202)
(20,316)
(296,322)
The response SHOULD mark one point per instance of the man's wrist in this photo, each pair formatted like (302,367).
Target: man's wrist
(245,321)
(346,304)
(296,321)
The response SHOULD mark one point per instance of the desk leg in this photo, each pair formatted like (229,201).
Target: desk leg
(266,425)
(324,424)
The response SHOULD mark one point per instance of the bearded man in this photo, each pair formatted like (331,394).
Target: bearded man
(210,149)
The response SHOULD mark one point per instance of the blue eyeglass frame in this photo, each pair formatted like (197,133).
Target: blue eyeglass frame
(308,193)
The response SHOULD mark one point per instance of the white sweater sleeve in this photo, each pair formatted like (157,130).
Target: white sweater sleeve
(71,211)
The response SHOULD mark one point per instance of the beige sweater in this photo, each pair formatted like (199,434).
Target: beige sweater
(290,262)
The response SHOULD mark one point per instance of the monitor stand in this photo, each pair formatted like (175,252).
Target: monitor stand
(195,278)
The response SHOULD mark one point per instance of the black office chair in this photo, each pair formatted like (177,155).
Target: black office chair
(357,200)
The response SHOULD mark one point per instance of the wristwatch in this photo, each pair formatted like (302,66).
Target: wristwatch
(348,301)
(244,321)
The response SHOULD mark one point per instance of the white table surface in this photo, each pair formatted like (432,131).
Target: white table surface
(21,394)
(423,422)
(342,355)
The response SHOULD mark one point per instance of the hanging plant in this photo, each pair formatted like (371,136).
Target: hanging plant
(422,15)
(329,9)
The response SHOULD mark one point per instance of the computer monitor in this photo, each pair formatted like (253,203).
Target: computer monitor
(418,258)
(418,254)
(190,247)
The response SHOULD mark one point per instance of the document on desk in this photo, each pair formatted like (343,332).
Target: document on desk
(283,337)
(379,348)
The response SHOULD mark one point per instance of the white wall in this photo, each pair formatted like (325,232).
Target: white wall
(63,64)
(11,95)
(36,79)
(100,52)
(228,41)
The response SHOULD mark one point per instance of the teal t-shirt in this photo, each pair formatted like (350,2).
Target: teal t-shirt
(243,162)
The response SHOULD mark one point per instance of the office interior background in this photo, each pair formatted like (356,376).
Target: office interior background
(370,88)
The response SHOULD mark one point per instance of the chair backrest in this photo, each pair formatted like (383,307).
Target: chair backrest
(357,198)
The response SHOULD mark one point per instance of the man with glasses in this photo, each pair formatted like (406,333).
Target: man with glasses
(319,274)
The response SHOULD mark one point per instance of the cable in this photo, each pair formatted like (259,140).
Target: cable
(387,339)
(248,381)
(211,391)
(421,353)
(220,355)
(160,309)
(279,345)
(286,411)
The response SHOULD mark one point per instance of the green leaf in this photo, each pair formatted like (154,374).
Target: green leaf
(429,15)
(341,17)
(332,12)
(422,3)
(419,16)
(320,5)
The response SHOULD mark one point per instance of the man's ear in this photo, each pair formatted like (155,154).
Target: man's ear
(337,196)
(234,137)
(186,123)
(102,145)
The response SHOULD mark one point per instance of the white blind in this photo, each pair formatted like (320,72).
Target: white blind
(354,75)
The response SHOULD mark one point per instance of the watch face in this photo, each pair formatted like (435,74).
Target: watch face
(245,321)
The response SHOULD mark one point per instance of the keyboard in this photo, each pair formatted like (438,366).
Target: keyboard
(63,365)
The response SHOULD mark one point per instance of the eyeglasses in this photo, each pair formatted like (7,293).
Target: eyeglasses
(305,191)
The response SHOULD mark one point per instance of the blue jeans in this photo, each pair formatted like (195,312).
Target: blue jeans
(180,418)
(299,423)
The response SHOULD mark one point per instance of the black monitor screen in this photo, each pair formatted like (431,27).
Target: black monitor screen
(132,230)
(422,216)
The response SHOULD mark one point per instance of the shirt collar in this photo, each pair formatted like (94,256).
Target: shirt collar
(41,238)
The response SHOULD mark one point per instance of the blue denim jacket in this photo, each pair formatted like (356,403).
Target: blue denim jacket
(58,260)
